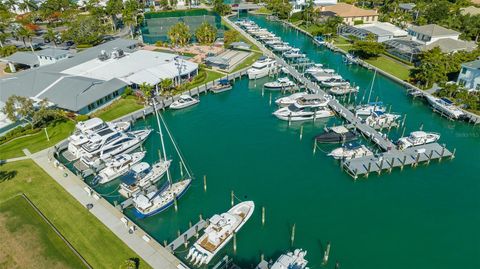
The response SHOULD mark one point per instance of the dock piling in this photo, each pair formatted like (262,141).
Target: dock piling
(326,254)
(453,153)
(234,243)
(314,146)
(263,215)
(232,196)
(270,99)
(205,183)
(175,202)
(301,132)
(181,169)
(292,237)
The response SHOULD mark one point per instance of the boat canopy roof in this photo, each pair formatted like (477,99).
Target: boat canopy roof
(352,145)
(308,97)
(418,134)
(447,101)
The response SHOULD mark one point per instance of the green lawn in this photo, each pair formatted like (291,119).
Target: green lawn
(95,242)
(342,43)
(211,76)
(247,62)
(29,242)
(391,66)
(36,142)
(262,11)
(118,108)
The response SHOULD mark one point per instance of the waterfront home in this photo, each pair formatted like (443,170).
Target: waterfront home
(96,76)
(299,5)
(469,76)
(351,14)
(427,37)
(381,31)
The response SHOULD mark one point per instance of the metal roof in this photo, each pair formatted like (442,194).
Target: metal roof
(472,64)
(52,52)
(433,30)
(448,45)
(23,57)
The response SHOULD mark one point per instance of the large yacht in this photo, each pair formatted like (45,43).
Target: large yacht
(142,176)
(369,108)
(380,119)
(335,82)
(126,143)
(117,167)
(157,201)
(184,101)
(219,232)
(281,47)
(417,138)
(262,68)
(445,107)
(85,131)
(293,53)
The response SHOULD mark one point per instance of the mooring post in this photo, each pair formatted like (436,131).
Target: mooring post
(403,161)
(381,167)
(289,118)
(232,195)
(165,243)
(190,224)
(403,121)
(178,233)
(430,156)
(314,146)
(301,132)
(181,169)
(234,243)
(337,265)
(270,99)
(263,215)
(205,183)
(175,202)
(403,131)
(200,217)
(196,231)
(417,159)
(292,237)
(442,152)
(368,169)
(185,241)
(421,127)
(391,164)
(326,254)
(453,153)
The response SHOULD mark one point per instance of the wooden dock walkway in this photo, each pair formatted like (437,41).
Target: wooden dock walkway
(183,238)
(396,158)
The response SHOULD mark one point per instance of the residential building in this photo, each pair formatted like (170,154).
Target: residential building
(351,14)
(94,77)
(381,31)
(427,37)
(407,7)
(469,76)
(35,59)
(299,5)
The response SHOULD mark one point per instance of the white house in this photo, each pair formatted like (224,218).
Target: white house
(469,76)
(430,33)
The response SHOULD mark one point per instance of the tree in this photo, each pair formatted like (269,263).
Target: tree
(85,30)
(179,34)
(25,34)
(113,8)
(221,8)
(130,14)
(146,90)
(279,8)
(432,68)
(308,14)
(166,84)
(437,11)
(230,36)
(164,4)
(206,33)
(368,48)
(51,36)
(19,108)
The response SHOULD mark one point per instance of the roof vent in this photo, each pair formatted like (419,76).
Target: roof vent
(103,55)
(117,53)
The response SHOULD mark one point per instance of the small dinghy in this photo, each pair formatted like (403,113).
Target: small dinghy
(350,151)
(336,134)
(223,85)
(184,101)
(280,84)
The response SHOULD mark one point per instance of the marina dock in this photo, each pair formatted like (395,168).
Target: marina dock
(182,240)
(362,166)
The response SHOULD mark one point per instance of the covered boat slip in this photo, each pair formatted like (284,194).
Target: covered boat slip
(396,158)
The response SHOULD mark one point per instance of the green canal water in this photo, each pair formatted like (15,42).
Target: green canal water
(424,217)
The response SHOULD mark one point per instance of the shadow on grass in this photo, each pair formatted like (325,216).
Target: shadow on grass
(7,175)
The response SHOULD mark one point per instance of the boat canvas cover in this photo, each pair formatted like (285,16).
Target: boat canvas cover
(352,145)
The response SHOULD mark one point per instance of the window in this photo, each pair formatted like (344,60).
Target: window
(464,70)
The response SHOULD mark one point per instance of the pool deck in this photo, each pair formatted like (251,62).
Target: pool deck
(134,237)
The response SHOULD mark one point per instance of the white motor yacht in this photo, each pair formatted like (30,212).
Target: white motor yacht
(381,120)
(126,143)
(117,167)
(343,90)
(184,101)
(280,84)
(219,232)
(281,47)
(299,112)
(417,138)
(368,109)
(156,201)
(262,68)
(335,82)
(445,107)
(141,176)
(324,76)
(351,150)
(288,100)
(295,260)
(293,53)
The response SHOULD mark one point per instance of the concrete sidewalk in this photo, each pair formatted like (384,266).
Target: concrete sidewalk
(152,252)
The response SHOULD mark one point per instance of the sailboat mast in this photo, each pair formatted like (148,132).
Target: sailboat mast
(161,138)
(371,87)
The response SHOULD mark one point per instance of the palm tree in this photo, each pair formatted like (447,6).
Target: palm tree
(146,89)
(51,35)
(26,35)
(130,14)
(166,84)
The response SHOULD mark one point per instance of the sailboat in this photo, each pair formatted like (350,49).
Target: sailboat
(157,200)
